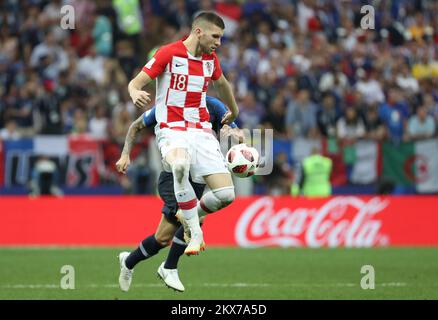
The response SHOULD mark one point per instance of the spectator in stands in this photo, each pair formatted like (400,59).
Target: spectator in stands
(179,14)
(406,81)
(395,114)
(99,124)
(369,87)
(80,123)
(419,28)
(10,132)
(31,33)
(374,127)
(327,116)
(140,175)
(4,81)
(129,20)
(281,177)
(8,44)
(127,58)
(22,109)
(102,35)
(301,116)
(421,125)
(424,67)
(334,81)
(49,57)
(49,107)
(81,40)
(265,88)
(431,105)
(94,62)
(45,178)
(350,127)
(290,90)
(274,119)
(52,12)
(251,112)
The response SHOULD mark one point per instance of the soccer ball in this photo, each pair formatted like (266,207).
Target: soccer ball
(242,160)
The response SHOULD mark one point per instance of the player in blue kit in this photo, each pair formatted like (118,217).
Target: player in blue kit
(169,229)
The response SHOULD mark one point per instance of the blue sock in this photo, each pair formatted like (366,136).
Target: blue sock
(176,250)
(148,248)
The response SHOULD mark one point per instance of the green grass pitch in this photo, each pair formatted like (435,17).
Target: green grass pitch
(225,273)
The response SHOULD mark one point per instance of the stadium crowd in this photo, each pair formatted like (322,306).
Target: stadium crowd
(304,68)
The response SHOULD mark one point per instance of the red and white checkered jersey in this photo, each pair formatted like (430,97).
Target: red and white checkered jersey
(182,82)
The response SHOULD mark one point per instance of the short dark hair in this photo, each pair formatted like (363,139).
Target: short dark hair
(211,17)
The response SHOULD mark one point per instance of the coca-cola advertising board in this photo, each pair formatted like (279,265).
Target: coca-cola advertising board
(342,221)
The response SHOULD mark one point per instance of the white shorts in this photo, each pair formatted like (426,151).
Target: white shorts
(203,148)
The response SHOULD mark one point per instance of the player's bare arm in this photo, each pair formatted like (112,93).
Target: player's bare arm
(224,89)
(139,97)
(123,163)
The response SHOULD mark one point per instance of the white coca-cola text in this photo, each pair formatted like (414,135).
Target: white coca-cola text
(341,221)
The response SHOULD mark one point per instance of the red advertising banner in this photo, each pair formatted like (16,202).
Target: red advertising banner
(78,220)
(343,221)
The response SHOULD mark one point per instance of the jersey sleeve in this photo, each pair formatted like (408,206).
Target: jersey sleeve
(149,118)
(158,63)
(217,72)
(218,108)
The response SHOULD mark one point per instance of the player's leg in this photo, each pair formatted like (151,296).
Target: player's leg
(221,193)
(152,244)
(147,249)
(155,242)
(178,242)
(168,269)
(211,166)
(177,248)
(176,149)
(179,161)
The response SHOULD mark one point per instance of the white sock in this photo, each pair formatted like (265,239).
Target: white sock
(187,202)
(186,196)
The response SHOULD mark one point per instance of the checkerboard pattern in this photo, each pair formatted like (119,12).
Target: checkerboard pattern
(182,83)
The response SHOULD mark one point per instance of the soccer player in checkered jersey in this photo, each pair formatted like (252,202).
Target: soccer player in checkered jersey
(183,70)
(169,230)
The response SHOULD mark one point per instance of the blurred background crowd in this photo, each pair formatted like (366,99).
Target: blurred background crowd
(304,68)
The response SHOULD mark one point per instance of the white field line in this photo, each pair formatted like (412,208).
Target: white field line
(220,285)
